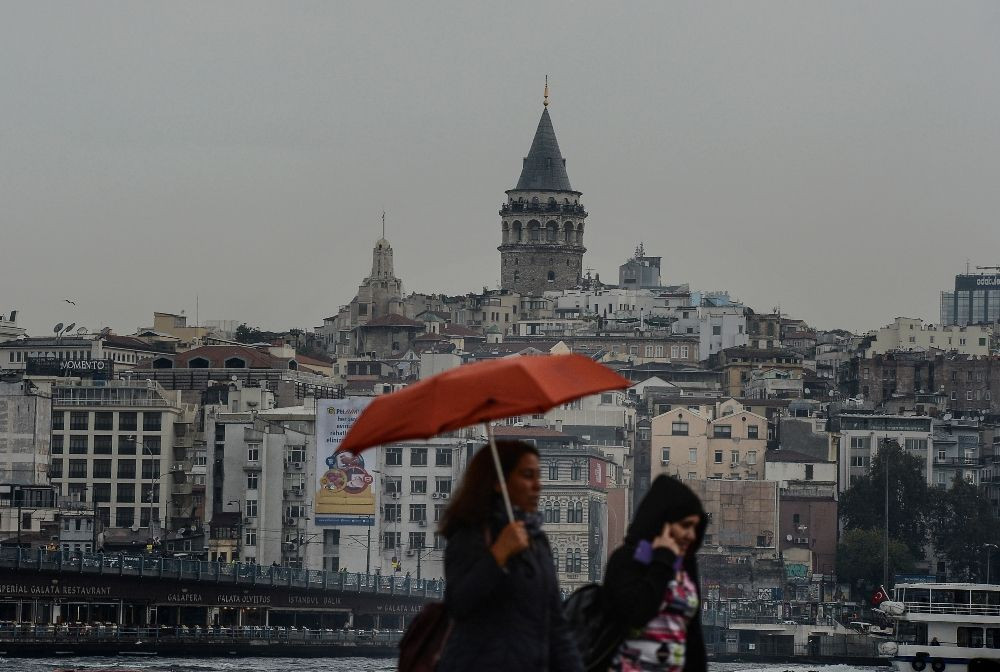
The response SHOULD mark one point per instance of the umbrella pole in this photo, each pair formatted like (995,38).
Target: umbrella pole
(499,468)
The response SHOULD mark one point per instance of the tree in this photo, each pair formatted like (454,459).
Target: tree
(859,559)
(862,505)
(961,524)
(245,334)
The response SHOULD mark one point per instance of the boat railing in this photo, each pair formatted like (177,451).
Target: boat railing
(952,608)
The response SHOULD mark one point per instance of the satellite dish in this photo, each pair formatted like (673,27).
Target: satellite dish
(56,329)
(182,530)
(105,331)
(81,331)
(135,527)
(70,327)
(788,537)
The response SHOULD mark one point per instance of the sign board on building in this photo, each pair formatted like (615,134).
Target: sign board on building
(96,369)
(598,476)
(973,282)
(344,482)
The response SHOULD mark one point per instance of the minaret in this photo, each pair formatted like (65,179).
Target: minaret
(542,221)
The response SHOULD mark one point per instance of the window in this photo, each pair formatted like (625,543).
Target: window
(150,421)
(393,485)
(102,468)
(442,457)
(253,480)
(970,637)
(124,517)
(418,540)
(151,445)
(753,432)
(57,444)
(674,352)
(576,469)
(79,420)
(250,537)
(253,452)
(150,493)
(418,486)
(126,445)
(649,351)
(58,420)
(679,428)
(78,445)
(439,510)
(574,512)
(718,457)
(56,469)
(809,472)
(418,457)
(717,330)
(751,457)
(126,493)
(250,509)
(692,454)
(102,444)
(859,460)
(394,457)
(684,352)
(126,468)
(151,469)
(554,471)
(77,469)
(392,513)
(722,431)
(665,456)
(443,486)
(734,458)
(104,421)
(418,513)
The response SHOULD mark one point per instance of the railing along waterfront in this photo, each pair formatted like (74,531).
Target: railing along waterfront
(124,564)
(99,632)
(952,608)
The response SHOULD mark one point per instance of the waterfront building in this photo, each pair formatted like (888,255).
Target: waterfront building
(88,355)
(122,446)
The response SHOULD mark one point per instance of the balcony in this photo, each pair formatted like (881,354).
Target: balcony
(181,489)
(182,466)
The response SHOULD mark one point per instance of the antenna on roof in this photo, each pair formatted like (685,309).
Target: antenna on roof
(545,99)
(383,224)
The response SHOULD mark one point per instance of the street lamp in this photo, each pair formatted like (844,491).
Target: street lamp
(989,548)
(152,480)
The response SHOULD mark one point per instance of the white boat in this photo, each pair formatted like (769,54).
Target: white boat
(940,627)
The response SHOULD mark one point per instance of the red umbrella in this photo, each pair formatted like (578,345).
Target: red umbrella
(478,393)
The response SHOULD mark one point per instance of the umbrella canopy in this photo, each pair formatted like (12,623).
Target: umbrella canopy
(477,393)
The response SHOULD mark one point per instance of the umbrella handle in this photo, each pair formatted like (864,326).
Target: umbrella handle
(499,468)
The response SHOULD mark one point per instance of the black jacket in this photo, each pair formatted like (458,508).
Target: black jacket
(506,619)
(633,591)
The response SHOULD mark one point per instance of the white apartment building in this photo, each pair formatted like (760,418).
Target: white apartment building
(719,328)
(113,443)
(416,482)
(861,435)
(912,334)
(65,355)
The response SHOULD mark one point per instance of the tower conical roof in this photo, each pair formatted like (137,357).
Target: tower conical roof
(544,167)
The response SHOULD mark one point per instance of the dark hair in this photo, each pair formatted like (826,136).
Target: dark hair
(473,502)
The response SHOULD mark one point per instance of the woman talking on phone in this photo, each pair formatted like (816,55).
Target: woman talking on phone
(651,584)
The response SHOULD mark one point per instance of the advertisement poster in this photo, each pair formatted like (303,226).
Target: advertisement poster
(345,493)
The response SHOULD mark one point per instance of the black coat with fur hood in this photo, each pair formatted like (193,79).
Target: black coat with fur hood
(633,591)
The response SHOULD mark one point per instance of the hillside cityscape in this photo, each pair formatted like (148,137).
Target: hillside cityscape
(209,439)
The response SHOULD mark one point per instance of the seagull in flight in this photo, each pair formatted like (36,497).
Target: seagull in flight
(68,301)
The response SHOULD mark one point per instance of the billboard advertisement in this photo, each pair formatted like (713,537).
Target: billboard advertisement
(598,473)
(973,282)
(344,483)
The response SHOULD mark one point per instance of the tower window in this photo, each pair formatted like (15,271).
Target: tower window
(552,276)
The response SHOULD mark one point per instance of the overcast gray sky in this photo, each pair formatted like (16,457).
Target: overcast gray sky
(841,159)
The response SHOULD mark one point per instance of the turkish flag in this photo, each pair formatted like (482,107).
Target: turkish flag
(880,596)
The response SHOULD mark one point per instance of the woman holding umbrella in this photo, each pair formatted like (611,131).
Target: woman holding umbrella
(501,588)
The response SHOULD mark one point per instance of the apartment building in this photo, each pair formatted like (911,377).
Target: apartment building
(861,434)
(694,444)
(113,445)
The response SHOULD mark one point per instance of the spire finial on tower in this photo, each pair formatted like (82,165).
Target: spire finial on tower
(545,100)
(383,224)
